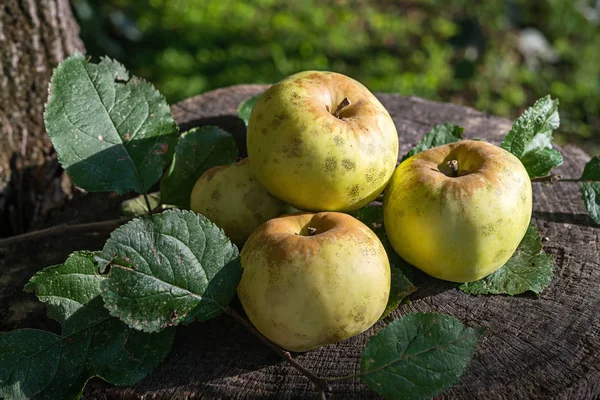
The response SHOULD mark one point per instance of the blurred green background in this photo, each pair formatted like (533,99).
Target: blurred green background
(497,56)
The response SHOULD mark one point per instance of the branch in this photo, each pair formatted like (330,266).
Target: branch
(553,178)
(64,230)
(320,383)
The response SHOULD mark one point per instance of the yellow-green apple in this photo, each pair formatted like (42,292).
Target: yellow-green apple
(313,279)
(458,211)
(233,199)
(321,142)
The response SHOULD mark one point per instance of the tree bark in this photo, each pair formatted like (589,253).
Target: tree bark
(34,37)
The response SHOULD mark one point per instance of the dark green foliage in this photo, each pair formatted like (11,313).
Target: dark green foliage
(464,51)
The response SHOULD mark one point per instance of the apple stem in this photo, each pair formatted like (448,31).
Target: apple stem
(453,164)
(311,230)
(345,103)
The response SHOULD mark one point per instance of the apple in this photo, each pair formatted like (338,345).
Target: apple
(458,211)
(321,142)
(313,279)
(230,197)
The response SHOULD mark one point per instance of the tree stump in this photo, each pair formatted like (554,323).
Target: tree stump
(533,348)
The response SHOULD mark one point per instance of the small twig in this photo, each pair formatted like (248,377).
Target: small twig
(64,230)
(553,178)
(345,377)
(148,206)
(548,179)
(320,383)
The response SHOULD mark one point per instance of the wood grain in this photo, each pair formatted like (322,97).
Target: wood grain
(534,348)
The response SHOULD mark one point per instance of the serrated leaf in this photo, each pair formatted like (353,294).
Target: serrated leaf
(42,365)
(540,162)
(111,132)
(401,271)
(197,151)
(590,194)
(439,135)
(418,356)
(176,266)
(590,191)
(137,206)
(28,359)
(529,269)
(530,138)
(245,108)
(591,171)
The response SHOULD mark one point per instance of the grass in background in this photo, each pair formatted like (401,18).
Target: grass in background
(497,56)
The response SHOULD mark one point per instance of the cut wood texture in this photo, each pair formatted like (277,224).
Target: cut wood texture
(533,348)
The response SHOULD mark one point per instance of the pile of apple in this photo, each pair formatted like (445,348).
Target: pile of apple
(320,142)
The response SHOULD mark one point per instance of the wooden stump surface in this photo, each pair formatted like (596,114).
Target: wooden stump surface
(534,348)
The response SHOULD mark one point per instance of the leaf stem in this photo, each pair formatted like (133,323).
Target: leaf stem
(346,377)
(64,230)
(553,178)
(320,383)
(148,206)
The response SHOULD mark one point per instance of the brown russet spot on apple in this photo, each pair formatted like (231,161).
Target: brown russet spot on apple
(357,313)
(338,140)
(489,229)
(296,148)
(331,164)
(216,195)
(335,336)
(354,192)
(348,164)
(278,120)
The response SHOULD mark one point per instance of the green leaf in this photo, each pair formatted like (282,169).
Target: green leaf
(591,171)
(245,108)
(590,191)
(111,132)
(530,138)
(198,150)
(168,269)
(401,271)
(529,269)
(540,162)
(439,135)
(137,206)
(400,288)
(42,365)
(28,361)
(418,356)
